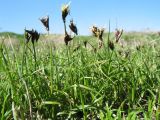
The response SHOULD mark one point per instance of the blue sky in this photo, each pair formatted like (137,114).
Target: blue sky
(130,15)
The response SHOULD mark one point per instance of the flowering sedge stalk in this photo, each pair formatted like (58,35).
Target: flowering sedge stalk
(32,35)
(118,34)
(65,11)
(97,32)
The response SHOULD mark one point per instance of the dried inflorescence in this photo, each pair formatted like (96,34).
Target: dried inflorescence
(73,27)
(118,34)
(67,38)
(32,35)
(98,32)
(45,22)
(65,11)
(94,31)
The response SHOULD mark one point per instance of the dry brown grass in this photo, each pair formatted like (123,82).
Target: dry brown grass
(8,41)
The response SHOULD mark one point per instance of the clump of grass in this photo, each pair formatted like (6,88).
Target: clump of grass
(76,85)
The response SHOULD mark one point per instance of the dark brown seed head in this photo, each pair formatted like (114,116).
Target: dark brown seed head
(27,35)
(118,35)
(98,32)
(94,31)
(101,31)
(32,34)
(67,38)
(65,11)
(85,43)
(45,22)
(35,36)
(111,45)
(73,27)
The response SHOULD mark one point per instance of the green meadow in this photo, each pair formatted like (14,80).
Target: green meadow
(49,80)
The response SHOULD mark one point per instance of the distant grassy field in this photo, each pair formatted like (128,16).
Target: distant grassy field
(69,82)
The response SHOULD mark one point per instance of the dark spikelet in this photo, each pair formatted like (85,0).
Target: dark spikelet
(36,36)
(85,43)
(97,32)
(65,11)
(32,34)
(67,38)
(45,22)
(27,36)
(73,27)
(111,45)
(118,35)
(101,34)
(94,31)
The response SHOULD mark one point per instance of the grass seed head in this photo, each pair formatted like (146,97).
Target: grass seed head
(45,22)
(101,31)
(65,11)
(111,45)
(85,43)
(35,36)
(27,35)
(32,34)
(94,30)
(118,34)
(97,32)
(73,27)
(67,38)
